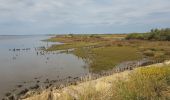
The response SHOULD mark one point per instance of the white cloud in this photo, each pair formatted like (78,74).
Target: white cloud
(84,13)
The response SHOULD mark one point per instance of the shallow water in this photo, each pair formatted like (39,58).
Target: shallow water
(22,61)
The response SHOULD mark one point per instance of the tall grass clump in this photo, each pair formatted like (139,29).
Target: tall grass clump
(144,84)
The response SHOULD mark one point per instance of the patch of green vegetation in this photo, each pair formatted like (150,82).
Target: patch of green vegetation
(135,36)
(104,58)
(71,46)
(154,34)
(53,39)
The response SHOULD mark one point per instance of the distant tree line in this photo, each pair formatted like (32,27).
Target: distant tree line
(154,34)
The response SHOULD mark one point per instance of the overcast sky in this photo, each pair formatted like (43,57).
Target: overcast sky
(82,16)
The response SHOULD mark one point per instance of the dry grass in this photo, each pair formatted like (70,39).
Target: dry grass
(148,83)
(145,84)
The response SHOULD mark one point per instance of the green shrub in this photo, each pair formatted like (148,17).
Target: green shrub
(154,34)
(135,36)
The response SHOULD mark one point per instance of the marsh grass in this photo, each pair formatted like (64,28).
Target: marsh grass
(105,58)
(104,52)
(71,46)
(142,84)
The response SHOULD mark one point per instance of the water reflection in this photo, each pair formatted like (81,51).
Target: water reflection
(25,65)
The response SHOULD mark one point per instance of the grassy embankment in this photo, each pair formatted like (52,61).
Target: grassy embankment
(147,83)
(103,52)
(142,84)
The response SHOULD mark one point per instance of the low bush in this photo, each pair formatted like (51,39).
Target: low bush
(154,34)
(135,36)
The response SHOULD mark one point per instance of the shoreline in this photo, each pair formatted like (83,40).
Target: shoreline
(62,83)
(96,50)
(99,83)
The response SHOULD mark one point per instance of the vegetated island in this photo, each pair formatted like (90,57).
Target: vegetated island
(116,52)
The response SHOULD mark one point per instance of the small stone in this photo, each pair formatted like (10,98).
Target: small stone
(23,92)
(19,86)
(38,81)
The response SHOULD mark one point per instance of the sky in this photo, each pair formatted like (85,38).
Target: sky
(82,16)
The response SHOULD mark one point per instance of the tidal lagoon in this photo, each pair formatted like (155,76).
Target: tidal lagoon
(23,63)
